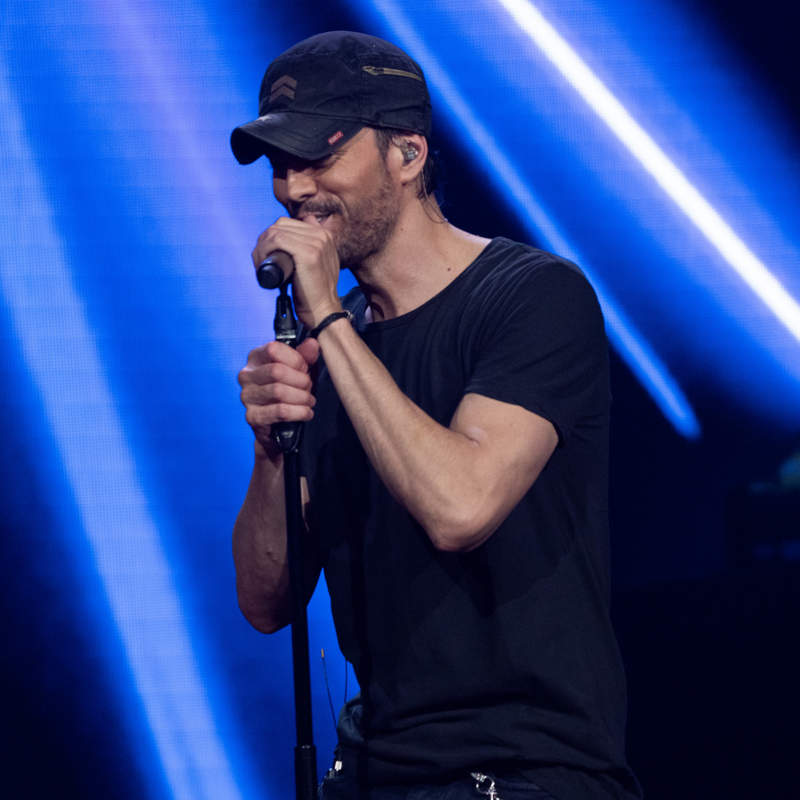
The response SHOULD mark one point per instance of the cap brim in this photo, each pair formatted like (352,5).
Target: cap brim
(304,135)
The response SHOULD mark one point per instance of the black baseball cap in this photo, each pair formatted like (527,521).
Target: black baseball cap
(321,92)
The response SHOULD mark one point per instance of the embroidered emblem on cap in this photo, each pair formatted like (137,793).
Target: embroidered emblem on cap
(335,138)
(283,87)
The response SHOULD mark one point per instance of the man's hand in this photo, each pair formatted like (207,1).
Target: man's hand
(276,387)
(316,263)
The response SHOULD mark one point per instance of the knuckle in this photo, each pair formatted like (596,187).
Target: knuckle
(273,350)
(249,396)
(258,417)
(254,356)
(246,376)
(276,393)
(276,372)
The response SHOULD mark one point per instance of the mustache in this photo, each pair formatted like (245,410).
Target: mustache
(315,208)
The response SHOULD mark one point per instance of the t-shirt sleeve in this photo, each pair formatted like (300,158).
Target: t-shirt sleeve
(541,345)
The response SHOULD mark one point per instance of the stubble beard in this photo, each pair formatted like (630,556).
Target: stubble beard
(369,225)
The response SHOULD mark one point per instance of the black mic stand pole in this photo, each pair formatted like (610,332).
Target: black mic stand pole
(286,436)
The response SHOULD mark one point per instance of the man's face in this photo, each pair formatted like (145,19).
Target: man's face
(351,193)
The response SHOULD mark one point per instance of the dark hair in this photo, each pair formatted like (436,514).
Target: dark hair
(428,183)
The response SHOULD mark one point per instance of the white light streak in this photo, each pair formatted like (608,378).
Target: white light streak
(653,159)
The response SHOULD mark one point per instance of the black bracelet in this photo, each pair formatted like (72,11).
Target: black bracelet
(315,332)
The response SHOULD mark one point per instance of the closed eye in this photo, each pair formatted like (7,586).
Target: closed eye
(282,162)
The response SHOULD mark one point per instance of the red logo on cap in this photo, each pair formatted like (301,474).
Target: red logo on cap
(335,138)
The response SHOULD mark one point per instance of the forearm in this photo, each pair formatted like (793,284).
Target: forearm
(259,547)
(435,472)
(276,387)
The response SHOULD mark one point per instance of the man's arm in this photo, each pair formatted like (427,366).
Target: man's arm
(459,482)
(276,387)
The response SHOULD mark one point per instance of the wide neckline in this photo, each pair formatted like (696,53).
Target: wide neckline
(384,324)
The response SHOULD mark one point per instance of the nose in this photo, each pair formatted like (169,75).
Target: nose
(299,185)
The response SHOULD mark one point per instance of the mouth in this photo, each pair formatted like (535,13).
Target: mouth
(316,217)
(315,213)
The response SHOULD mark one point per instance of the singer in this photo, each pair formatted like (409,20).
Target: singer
(454,457)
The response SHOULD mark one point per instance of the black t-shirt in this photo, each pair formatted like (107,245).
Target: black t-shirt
(503,657)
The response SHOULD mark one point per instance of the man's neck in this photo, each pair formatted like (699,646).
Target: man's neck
(424,254)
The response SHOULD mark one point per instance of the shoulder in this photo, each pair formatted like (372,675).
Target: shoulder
(504,258)
(514,275)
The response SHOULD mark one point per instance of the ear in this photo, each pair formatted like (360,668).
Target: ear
(407,156)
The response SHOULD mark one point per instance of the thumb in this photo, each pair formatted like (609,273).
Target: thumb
(309,349)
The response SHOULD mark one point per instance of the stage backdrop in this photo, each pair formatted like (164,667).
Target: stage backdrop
(647,142)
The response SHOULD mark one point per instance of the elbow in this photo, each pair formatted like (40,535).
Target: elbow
(260,616)
(461,530)
(262,622)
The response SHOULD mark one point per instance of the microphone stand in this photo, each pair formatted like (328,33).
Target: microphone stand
(286,436)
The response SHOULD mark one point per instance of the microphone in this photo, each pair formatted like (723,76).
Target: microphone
(275,269)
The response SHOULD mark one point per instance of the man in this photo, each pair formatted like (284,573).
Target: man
(454,456)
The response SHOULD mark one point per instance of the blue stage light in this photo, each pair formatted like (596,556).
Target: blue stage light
(60,351)
(154,212)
